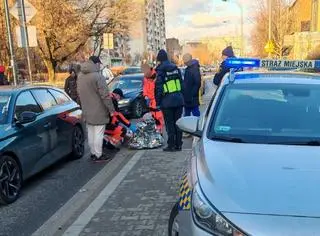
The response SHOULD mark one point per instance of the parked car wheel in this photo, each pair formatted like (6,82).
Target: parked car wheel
(78,141)
(173,228)
(138,108)
(10,180)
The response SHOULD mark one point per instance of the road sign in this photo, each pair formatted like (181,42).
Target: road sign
(108,41)
(30,10)
(32,36)
(269,48)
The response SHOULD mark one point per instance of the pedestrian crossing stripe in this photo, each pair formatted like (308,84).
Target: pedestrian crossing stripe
(185,194)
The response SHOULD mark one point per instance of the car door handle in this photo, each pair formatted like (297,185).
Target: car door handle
(48,125)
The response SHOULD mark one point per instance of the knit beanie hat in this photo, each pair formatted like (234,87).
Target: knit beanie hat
(162,56)
(228,51)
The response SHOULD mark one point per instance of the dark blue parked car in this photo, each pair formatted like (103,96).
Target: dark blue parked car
(133,102)
(38,126)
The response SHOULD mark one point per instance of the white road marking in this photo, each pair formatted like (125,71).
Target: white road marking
(85,217)
(160,150)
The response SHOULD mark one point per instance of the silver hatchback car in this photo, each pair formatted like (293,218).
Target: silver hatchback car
(255,163)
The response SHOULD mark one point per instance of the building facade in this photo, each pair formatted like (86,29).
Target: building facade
(315,18)
(305,37)
(198,50)
(155,25)
(173,49)
(148,34)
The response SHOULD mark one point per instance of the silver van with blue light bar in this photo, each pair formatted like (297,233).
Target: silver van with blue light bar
(255,163)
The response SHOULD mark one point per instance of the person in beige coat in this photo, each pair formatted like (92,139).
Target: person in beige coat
(97,106)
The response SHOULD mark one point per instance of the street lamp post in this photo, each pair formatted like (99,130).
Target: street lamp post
(25,31)
(269,24)
(239,4)
(242,34)
(12,54)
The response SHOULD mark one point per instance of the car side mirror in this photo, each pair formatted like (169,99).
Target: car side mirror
(189,125)
(27,117)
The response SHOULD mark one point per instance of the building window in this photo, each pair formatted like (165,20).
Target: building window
(305,26)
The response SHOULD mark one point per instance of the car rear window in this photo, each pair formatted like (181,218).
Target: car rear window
(126,83)
(268,113)
(60,97)
(45,98)
(132,71)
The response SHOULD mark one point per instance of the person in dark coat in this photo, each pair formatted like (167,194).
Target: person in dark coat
(169,96)
(191,85)
(226,53)
(3,77)
(70,85)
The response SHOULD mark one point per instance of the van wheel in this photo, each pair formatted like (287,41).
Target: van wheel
(173,228)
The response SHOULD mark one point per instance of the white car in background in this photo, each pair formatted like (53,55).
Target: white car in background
(107,73)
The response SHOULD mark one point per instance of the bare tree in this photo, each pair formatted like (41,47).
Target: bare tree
(65,27)
(116,19)
(282,25)
(4,49)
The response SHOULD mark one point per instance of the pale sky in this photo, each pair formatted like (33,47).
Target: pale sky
(195,19)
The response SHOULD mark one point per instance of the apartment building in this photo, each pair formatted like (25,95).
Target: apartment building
(173,48)
(148,34)
(305,36)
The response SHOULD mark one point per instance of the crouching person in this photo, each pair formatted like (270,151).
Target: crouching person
(119,127)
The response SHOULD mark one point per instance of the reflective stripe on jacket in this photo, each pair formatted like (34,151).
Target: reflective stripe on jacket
(172,82)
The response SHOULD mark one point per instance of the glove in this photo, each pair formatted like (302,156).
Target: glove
(133,128)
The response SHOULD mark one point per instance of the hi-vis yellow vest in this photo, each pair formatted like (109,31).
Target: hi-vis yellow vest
(172,82)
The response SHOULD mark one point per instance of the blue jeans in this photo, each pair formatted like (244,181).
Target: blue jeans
(194,110)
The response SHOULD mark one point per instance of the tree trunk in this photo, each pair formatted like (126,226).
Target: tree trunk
(51,70)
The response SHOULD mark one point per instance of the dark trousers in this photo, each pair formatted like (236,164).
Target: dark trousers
(194,110)
(171,115)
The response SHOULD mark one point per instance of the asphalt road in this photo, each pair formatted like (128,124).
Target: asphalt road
(46,192)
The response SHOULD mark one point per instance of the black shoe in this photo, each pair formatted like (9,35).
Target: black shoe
(178,148)
(169,149)
(102,158)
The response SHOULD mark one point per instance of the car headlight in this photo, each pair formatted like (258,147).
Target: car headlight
(124,101)
(208,219)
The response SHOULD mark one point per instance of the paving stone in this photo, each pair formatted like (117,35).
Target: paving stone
(141,204)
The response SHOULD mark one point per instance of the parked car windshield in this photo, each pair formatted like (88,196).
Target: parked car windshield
(127,82)
(4,106)
(268,113)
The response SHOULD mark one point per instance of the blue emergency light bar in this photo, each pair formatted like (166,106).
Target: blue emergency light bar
(242,62)
(271,64)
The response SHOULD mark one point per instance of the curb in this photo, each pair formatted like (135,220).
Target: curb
(65,216)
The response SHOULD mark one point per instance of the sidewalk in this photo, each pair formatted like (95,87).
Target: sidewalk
(141,203)
(138,201)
